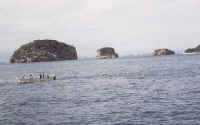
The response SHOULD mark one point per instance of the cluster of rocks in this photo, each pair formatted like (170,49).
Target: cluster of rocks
(52,50)
(43,51)
(106,53)
(160,52)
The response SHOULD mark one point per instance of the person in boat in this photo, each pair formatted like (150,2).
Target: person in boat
(47,76)
(43,76)
(54,77)
(30,76)
(23,77)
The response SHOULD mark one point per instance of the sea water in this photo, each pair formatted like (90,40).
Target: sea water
(162,90)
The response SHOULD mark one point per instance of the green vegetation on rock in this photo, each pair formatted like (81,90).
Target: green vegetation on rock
(44,50)
(193,50)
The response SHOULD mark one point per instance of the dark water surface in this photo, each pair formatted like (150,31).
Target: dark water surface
(131,91)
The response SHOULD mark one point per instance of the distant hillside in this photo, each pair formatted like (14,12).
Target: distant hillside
(193,50)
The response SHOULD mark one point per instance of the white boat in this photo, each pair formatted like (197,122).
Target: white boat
(194,53)
(33,77)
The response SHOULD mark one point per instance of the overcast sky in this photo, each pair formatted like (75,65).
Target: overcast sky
(130,26)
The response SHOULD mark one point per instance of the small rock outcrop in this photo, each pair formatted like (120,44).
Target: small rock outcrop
(160,52)
(193,50)
(106,53)
(44,51)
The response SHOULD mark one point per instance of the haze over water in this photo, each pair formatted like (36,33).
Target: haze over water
(137,90)
(129,26)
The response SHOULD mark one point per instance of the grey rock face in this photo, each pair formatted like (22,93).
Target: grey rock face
(106,53)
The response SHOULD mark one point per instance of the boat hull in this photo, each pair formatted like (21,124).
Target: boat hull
(23,81)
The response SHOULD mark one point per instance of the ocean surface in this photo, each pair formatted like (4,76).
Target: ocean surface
(128,91)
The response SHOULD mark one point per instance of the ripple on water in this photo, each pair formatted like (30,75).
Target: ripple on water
(145,90)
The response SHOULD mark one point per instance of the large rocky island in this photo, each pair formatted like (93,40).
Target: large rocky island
(160,52)
(106,53)
(195,50)
(43,51)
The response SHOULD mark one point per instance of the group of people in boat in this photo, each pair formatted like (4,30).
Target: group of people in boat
(30,78)
(41,77)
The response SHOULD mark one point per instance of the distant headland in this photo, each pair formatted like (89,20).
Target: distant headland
(195,50)
(43,51)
